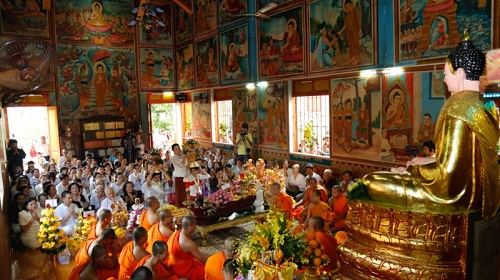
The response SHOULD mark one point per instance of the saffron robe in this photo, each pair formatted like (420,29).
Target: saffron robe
(159,269)
(183,264)
(213,268)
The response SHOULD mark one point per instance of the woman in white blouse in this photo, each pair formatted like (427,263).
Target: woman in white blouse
(29,220)
(297,182)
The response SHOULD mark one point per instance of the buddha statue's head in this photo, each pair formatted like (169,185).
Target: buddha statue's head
(467,57)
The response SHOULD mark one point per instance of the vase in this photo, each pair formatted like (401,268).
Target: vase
(312,273)
(191,157)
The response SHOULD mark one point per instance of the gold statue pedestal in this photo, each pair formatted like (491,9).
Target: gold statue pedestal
(392,244)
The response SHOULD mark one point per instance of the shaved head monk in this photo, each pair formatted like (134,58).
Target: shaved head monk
(149,217)
(97,268)
(154,262)
(132,253)
(104,217)
(107,238)
(185,260)
(317,224)
(281,199)
(215,263)
(162,230)
(142,273)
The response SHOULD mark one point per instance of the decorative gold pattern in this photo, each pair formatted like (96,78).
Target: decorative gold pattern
(392,244)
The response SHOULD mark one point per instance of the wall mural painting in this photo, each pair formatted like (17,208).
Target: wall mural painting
(397,117)
(96,81)
(207,60)
(272,116)
(185,67)
(263,3)
(245,111)
(184,27)
(205,16)
(201,116)
(234,63)
(96,22)
(434,28)
(355,117)
(281,44)
(159,35)
(341,34)
(157,68)
(230,9)
(24,18)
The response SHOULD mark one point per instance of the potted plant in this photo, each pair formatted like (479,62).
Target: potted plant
(223,128)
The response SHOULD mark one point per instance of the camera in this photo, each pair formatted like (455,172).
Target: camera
(243,133)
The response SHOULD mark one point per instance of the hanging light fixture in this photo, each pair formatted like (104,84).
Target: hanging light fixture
(146,15)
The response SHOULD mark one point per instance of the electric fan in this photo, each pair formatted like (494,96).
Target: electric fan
(24,67)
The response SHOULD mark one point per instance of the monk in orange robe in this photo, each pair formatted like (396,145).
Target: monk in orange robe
(318,208)
(149,217)
(162,230)
(215,263)
(107,238)
(281,201)
(100,266)
(185,260)
(104,216)
(142,273)
(300,208)
(155,262)
(338,202)
(317,224)
(132,253)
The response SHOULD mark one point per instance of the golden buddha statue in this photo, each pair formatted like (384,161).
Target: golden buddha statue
(465,174)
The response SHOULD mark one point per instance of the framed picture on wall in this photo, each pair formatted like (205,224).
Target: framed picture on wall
(281,44)
(207,62)
(157,69)
(433,29)
(262,3)
(185,67)
(342,35)
(184,23)
(229,10)
(201,115)
(205,19)
(157,34)
(438,86)
(234,62)
(25,17)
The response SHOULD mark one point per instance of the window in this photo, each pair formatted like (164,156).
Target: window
(313,124)
(224,121)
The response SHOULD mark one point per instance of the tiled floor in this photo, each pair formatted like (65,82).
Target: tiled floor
(32,264)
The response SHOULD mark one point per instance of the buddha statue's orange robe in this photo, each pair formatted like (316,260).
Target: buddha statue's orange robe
(127,261)
(103,274)
(339,208)
(159,269)
(213,267)
(143,221)
(183,264)
(92,231)
(330,244)
(83,254)
(154,234)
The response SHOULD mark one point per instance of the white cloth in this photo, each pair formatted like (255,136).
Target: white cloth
(106,203)
(69,225)
(145,191)
(61,161)
(30,237)
(95,202)
(138,180)
(180,169)
(117,188)
(300,181)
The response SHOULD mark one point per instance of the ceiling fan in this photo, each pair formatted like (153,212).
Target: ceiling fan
(261,14)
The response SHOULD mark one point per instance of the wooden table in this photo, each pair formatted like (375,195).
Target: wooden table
(204,230)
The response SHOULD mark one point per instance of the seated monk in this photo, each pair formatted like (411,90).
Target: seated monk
(338,202)
(465,173)
(162,230)
(132,253)
(142,273)
(99,266)
(230,270)
(149,217)
(155,262)
(107,238)
(215,263)
(318,208)
(185,260)
(317,225)
(104,217)
(300,208)
(281,200)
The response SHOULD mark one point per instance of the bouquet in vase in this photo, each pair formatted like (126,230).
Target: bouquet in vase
(191,149)
(120,214)
(51,238)
(134,215)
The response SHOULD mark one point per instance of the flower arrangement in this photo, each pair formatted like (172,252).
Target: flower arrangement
(309,133)
(74,243)
(356,190)
(220,197)
(119,232)
(83,226)
(315,253)
(274,248)
(51,238)
(120,214)
(134,215)
(192,149)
